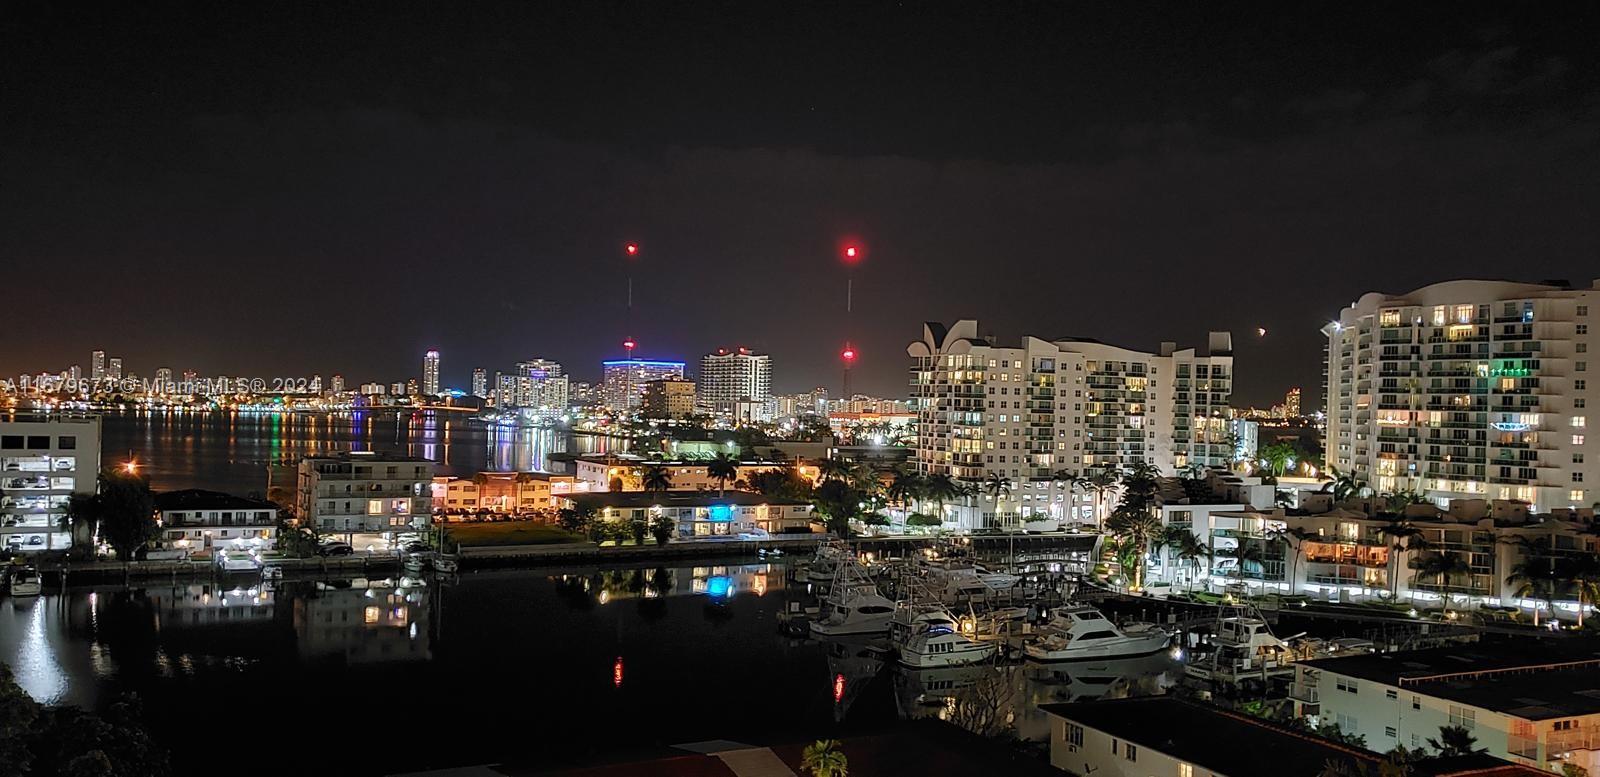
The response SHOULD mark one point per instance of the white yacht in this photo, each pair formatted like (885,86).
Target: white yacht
(25,581)
(1243,647)
(928,636)
(824,566)
(955,580)
(1077,631)
(852,606)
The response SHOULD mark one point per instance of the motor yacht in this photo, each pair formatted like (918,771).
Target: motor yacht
(1076,632)
(928,636)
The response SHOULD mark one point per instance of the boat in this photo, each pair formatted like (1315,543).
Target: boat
(445,564)
(415,564)
(957,580)
(852,606)
(1243,647)
(1076,632)
(928,636)
(25,581)
(824,566)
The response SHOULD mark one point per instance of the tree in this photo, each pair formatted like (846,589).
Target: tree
(723,468)
(1189,548)
(923,519)
(1277,458)
(940,489)
(1294,537)
(1399,536)
(576,518)
(1537,579)
(1344,485)
(998,488)
(656,479)
(125,512)
(662,528)
(834,468)
(1134,521)
(785,483)
(823,758)
(1584,573)
(1072,481)
(1455,741)
(295,540)
(68,741)
(907,486)
(1444,566)
(639,528)
(840,503)
(1103,483)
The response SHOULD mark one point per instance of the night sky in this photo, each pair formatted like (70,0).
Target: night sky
(265,189)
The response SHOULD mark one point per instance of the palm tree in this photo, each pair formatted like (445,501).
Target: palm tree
(998,488)
(1455,741)
(834,469)
(907,486)
(1294,537)
(1445,566)
(723,468)
(1584,572)
(1344,485)
(1072,481)
(1191,549)
(823,758)
(1537,579)
(1275,458)
(657,479)
(1102,483)
(1399,536)
(940,488)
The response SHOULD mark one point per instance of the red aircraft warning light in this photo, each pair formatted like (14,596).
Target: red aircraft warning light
(848,354)
(632,249)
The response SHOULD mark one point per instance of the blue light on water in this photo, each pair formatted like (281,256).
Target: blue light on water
(719,586)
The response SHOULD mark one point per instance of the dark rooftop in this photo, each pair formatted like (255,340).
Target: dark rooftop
(197,499)
(1528,680)
(1242,746)
(683,498)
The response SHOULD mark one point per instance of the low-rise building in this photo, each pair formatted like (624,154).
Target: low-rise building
(701,513)
(503,493)
(199,522)
(625,472)
(1529,702)
(364,491)
(45,460)
(1164,736)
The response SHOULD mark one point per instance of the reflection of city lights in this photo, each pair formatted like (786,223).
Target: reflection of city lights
(616,673)
(838,687)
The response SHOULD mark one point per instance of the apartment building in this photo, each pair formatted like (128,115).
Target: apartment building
(45,460)
(702,513)
(538,387)
(1027,411)
(625,472)
(504,493)
(1468,389)
(364,491)
(1537,705)
(430,373)
(730,377)
(668,399)
(624,380)
(200,522)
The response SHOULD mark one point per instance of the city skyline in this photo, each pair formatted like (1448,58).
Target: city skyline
(1282,179)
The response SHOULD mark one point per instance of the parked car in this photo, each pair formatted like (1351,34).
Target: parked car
(336,549)
(416,547)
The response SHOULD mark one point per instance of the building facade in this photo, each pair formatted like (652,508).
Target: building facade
(200,523)
(624,379)
(729,377)
(1025,412)
(700,513)
(430,373)
(44,462)
(480,383)
(668,398)
(362,491)
(1467,389)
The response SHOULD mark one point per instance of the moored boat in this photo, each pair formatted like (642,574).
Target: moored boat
(1077,632)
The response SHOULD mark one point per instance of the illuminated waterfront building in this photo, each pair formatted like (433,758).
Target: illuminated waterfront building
(44,462)
(362,491)
(430,373)
(729,377)
(1467,389)
(624,380)
(1027,411)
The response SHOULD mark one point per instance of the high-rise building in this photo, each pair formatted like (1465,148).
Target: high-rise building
(625,378)
(114,369)
(730,377)
(1027,411)
(1467,389)
(536,386)
(97,366)
(480,383)
(668,398)
(430,373)
(1291,403)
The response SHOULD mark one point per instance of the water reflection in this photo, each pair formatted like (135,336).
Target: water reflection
(245,452)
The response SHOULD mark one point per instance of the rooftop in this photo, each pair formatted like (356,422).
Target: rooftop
(198,499)
(1536,681)
(685,498)
(1189,731)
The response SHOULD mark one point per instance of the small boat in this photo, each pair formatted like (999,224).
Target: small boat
(824,566)
(1243,649)
(25,581)
(415,565)
(1077,631)
(445,564)
(928,636)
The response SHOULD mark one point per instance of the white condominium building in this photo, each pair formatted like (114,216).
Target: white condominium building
(1467,389)
(1027,411)
(430,373)
(44,461)
(362,491)
(730,377)
(625,378)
